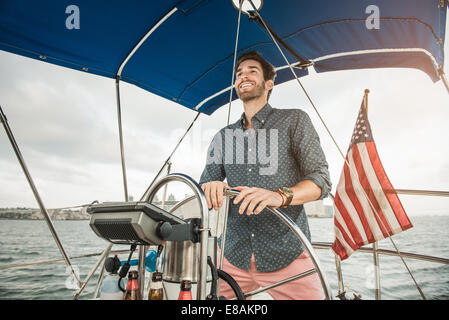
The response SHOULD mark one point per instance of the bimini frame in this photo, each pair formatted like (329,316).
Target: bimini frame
(150,188)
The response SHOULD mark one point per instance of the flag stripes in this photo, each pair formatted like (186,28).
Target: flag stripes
(367,209)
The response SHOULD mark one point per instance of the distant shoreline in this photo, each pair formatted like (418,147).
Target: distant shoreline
(35,214)
(28,219)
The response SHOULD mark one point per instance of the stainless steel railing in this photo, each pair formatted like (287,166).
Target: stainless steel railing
(315,245)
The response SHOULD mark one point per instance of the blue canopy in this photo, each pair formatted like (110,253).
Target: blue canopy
(187,56)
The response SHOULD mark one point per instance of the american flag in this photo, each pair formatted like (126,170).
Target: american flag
(357,220)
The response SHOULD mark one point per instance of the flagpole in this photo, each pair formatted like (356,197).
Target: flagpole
(376,258)
(341,286)
(375,244)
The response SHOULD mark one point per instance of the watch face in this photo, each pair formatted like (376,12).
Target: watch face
(287,190)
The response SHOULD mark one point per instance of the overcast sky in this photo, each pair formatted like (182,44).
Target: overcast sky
(65,123)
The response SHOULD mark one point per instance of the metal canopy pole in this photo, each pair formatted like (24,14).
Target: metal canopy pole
(122,152)
(36,195)
(443,78)
(142,248)
(117,86)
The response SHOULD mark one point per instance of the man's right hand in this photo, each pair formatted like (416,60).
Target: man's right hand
(214,193)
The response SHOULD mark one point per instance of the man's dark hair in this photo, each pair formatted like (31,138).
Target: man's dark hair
(269,73)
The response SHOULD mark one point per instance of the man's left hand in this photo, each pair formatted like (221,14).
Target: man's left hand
(256,199)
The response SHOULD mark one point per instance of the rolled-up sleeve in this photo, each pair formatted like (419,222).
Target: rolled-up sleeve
(309,154)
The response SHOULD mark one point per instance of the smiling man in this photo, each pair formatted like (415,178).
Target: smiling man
(274,158)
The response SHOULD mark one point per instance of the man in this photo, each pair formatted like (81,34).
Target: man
(274,158)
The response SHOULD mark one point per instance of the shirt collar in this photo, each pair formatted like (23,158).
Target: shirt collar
(261,116)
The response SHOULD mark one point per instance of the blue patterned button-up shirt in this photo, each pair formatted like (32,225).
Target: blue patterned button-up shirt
(281,149)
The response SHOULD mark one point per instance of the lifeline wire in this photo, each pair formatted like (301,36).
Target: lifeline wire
(235,57)
(330,134)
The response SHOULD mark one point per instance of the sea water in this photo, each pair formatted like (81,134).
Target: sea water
(29,241)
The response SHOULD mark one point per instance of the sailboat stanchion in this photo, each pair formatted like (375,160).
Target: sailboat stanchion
(91,273)
(44,212)
(101,275)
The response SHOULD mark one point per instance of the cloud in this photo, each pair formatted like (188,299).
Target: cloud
(65,123)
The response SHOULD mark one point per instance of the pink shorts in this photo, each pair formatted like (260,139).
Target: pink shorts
(307,288)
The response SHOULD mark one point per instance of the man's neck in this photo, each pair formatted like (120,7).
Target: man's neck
(251,108)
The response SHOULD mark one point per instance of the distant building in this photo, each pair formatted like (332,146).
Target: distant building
(317,209)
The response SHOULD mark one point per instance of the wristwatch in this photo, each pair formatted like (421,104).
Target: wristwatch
(288,194)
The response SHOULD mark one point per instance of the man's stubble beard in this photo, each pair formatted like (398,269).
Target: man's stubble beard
(257,93)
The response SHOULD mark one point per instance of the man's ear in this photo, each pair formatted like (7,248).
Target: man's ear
(269,84)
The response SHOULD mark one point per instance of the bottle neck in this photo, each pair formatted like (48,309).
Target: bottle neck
(185,293)
(186,285)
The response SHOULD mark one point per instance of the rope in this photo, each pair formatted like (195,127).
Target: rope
(73,207)
(144,196)
(341,153)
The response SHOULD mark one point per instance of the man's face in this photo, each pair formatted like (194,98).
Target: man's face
(249,83)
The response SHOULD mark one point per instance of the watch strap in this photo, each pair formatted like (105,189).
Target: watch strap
(288,194)
(282,196)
